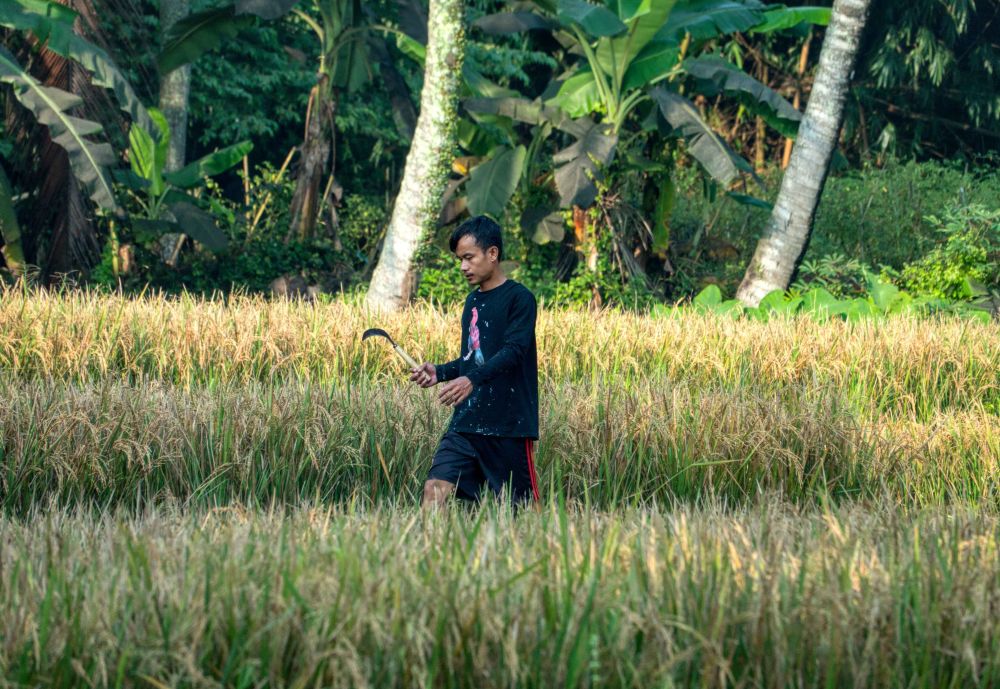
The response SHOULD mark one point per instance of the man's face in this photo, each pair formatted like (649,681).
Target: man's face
(477,265)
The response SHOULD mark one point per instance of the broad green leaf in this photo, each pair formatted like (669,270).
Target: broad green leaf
(627,9)
(654,62)
(148,231)
(543,224)
(213,164)
(491,184)
(530,112)
(707,19)
(412,48)
(142,158)
(782,18)
(580,164)
(266,9)
(10,231)
(714,75)
(203,31)
(475,84)
(858,308)
(513,22)
(709,296)
(88,160)
(820,302)
(579,95)
(775,303)
(52,24)
(883,294)
(199,225)
(199,33)
(615,54)
(707,147)
(596,20)
(45,8)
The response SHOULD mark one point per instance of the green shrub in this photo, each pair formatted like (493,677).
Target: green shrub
(879,217)
(969,252)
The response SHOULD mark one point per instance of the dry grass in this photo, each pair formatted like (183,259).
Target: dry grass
(907,367)
(209,494)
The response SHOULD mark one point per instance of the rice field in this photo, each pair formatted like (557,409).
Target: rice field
(224,493)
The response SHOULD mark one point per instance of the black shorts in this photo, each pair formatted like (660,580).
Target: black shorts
(469,460)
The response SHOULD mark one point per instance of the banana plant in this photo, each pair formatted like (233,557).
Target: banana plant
(640,53)
(166,206)
(345,65)
(10,230)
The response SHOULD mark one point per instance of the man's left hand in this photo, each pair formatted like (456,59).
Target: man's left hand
(455,392)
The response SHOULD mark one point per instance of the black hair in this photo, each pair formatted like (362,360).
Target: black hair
(484,230)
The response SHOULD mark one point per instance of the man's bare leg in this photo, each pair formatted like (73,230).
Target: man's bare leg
(437,492)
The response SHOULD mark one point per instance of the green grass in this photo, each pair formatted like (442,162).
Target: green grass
(224,493)
(703,597)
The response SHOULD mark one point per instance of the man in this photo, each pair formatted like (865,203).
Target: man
(493,385)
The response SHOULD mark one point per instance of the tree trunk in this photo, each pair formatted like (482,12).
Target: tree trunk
(315,153)
(175,88)
(427,164)
(787,233)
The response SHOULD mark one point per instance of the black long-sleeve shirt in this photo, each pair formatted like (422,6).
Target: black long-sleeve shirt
(500,358)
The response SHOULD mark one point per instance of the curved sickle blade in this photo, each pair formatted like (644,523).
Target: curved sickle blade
(376,332)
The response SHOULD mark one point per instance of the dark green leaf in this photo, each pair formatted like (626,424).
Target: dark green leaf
(530,112)
(213,164)
(707,147)
(713,75)
(199,225)
(52,24)
(747,200)
(513,22)
(543,224)
(653,63)
(706,19)
(147,231)
(581,164)
(199,33)
(88,160)
(596,20)
(265,9)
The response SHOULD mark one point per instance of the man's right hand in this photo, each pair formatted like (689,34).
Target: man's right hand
(425,376)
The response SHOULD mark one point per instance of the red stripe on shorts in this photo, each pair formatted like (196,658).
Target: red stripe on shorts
(529,449)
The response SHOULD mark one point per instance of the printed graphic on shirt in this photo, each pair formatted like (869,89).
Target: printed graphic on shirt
(474,340)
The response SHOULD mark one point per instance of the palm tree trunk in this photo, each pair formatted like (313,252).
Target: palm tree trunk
(419,200)
(175,88)
(787,233)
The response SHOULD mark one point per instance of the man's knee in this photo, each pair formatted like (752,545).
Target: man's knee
(436,492)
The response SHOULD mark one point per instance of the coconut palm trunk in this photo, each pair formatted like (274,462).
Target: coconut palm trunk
(175,89)
(787,233)
(427,164)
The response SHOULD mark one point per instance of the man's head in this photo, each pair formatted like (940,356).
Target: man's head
(478,245)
